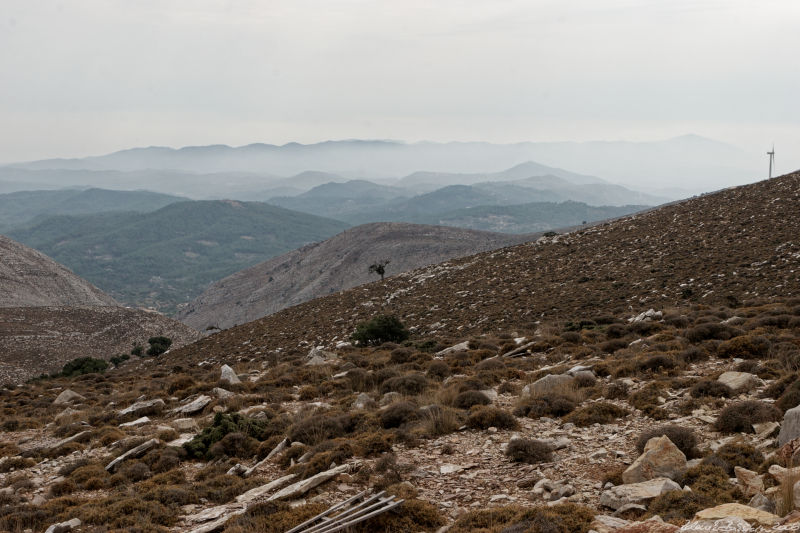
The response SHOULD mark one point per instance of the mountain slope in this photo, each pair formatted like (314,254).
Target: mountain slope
(37,340)
(30,278)
(530,218)
(20,207)
(716,248)
(166,257)
(338,263)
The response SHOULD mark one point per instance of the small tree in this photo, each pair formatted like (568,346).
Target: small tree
(379,268)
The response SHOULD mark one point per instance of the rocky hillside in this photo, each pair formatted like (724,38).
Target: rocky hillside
(37,340)
(638,377)
(338,263)
(30,278)
(736,244)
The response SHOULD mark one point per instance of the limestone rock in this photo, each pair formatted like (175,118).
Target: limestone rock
(790,428)
(75,438)
(138,422)
(222,394)
(65,415)
(661,458)
(185,424)
(740,381)
(616,497)
(750,482)
(390,397)
(135,452)
(193,407)
(301,487)
(648,526)
(317,356)
(227,375)
(745,512)
(549,384)
(143,408)
(66,397)
(608,524)
(363,401)
(63,527)
(460,347)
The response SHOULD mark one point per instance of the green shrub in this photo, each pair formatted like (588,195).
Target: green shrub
(380,329)
(158,345)
(223,424)
(83,365)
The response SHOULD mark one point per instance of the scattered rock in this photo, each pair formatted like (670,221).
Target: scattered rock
(135,452)
(63,527)
(185,424)
(460,347)
(740,381)
(227,375)
(549,384)
(67,396)
(146,407)
(616,497)
(222,394)
(751,483)
(737,510)
(661,458)
(301,487)
(790,428)
(193,407)
(760,501)
(389,398)
(137,422)
(363,401)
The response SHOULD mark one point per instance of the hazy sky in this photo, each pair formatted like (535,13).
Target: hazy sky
(82,77)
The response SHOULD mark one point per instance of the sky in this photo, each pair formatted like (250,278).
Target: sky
(87,77)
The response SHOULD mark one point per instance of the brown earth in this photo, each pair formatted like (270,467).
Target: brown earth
(36,340)
(336,264)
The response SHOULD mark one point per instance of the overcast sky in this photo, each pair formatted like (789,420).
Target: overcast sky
(83,77)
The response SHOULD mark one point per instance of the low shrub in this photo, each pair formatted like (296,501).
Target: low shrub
(683,438)
(709,388)
(563,518)
(410,384)
(596,413)
(539,406)
(656,363)
(398,414)
(710,331)
(484,417)
(616,390)
(744,347)
(740,417)
(438,370)
(737,454)
(529,451)
(679,505)
(222,425)
(467,399)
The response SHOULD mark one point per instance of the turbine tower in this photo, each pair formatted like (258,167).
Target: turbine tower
(771,155)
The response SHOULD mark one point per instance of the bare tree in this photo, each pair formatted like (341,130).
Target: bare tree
(379,268)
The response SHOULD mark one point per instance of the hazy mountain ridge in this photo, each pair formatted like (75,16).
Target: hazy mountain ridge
(18,208)
(683,160)
(338,263)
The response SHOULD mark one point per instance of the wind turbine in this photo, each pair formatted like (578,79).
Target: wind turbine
(771,155)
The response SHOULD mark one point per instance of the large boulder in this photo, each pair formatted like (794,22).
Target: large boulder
(740,381)
(616,497)
(227,375)
(737,510)
(193,407)
(790,428)
(750,482)
(67,397)
(550,384)
(661,458)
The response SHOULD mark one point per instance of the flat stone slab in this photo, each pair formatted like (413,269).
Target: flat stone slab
(134,452)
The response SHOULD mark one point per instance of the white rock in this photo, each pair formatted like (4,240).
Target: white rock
(137,422)
(195,406)
(227,375)
(740,381)
(616,497)
(143,407)
(67,396)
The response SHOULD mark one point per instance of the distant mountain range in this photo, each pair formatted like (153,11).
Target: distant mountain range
(166,257)
(688,161)
(338,263)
